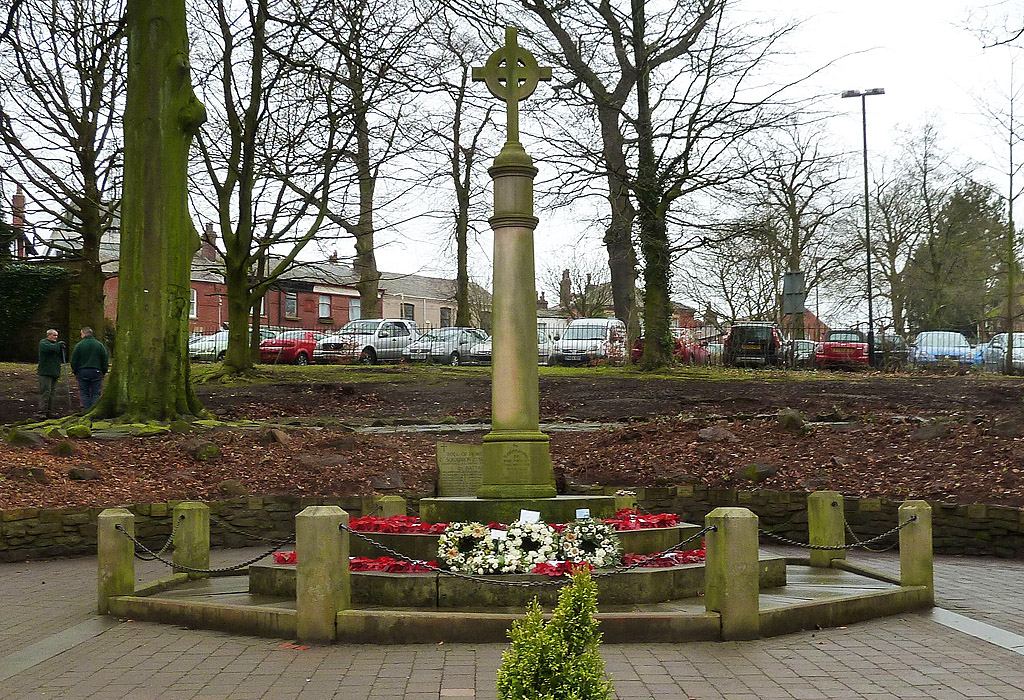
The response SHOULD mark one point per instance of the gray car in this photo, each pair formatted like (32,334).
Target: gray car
(449,345)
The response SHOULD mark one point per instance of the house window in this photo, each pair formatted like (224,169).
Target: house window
(291,304)
(446,317)
(325,306)
(354,310)
(193,307)
(409,312)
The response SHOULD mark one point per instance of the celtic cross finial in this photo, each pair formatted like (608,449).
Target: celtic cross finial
(511,74)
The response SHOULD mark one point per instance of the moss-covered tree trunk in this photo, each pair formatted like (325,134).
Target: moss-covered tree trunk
(150,375)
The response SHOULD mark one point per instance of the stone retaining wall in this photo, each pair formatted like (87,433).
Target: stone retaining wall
(980,529)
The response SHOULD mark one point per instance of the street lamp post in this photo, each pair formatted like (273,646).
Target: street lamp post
(863,94)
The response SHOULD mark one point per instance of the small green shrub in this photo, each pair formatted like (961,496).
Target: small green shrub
(559,660)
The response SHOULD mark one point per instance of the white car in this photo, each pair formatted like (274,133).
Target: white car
(213,347)
(591,339)
(368,340)
(993,355)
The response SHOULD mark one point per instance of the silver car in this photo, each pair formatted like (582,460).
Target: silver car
(449,345)
(993,356)
(480,354)
(368,340)
(213,347)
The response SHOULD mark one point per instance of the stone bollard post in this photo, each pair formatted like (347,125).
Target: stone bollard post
(391,505)
(826,526)
(321,576)
(916,547)
(731,572)
(192,536)
(115,560)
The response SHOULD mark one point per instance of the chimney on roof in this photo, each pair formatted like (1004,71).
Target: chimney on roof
(18,222)
(565,291)
(334,257)
(208,249)
(542,303)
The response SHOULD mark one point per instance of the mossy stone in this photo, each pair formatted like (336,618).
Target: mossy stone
(148,429)
(63,449)
(79,430)
(19,437)
(55,431)
(180,426)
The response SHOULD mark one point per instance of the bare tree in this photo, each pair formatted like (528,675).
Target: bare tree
(276,126)
(581,284)
(62,88)
(452,131)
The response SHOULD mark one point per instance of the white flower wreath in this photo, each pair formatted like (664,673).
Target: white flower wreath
(591,541)
(462,543)
(527,544)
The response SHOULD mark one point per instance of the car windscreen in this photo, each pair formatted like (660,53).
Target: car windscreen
(292,335)
(361,327)
(750,334)
(844,337)
(945,339)
(584,333)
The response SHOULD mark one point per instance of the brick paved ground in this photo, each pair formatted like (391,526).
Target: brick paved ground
(909,656)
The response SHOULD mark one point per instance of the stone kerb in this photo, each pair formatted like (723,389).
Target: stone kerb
(115,559)
(322,586)
(731,572)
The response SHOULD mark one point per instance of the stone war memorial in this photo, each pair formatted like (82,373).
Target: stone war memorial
(498,534)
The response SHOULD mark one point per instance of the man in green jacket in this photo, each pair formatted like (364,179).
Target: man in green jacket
(89,363)
(51,357)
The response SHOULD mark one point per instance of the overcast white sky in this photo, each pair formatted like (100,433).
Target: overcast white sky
(932,66)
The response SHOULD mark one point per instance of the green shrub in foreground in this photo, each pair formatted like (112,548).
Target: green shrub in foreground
(559,660)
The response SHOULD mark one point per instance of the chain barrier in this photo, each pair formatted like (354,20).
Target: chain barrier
(864,544)
(167,544)
(221,570)
(239,531)
(561,581)
(859,543)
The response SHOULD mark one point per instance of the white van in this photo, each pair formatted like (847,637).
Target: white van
(586,340)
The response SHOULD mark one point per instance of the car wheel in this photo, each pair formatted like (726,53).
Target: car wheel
(220,356)
(454,359)
(368,357)
(301,359)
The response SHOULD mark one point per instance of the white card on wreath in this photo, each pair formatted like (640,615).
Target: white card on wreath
(499,535)
(529,516)
(583,513)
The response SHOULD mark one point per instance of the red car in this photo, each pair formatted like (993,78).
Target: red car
(842,349)
(290,347)
(684,350)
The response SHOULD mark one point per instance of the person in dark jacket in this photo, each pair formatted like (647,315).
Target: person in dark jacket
(51,357)
(89,362)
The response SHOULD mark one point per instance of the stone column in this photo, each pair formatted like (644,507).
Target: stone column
(321,575)
(516,457)
(826,526)
(192,536)
(731,572)
(916,563)
(115,560)
(391,505)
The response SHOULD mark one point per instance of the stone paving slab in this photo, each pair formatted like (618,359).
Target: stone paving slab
(906,656)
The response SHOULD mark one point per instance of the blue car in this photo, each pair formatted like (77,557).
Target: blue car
(942,349)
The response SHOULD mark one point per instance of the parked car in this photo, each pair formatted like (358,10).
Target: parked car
(848,348)
(449,345)
(891,351)
(591,339)
(480,354)
(684,350)
(290,347)
(368,340)
(993,356)
(800,353)
(213,347)
(941,348)
(752,343)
